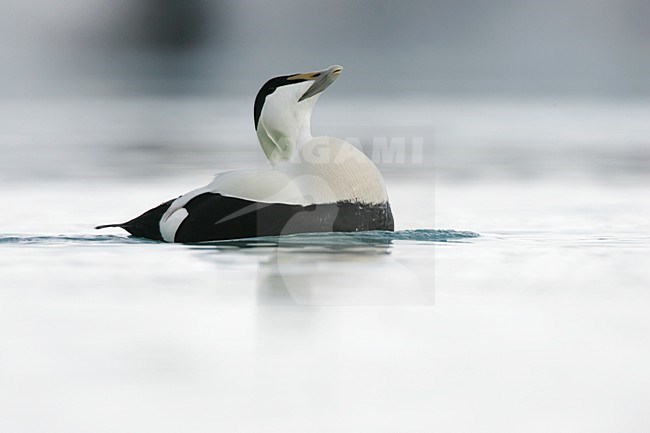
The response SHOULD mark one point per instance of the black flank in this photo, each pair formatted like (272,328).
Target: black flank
(215,217)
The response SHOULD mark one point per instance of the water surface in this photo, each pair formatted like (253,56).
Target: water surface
(512,297)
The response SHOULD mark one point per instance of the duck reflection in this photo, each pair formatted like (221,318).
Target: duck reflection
(325,269)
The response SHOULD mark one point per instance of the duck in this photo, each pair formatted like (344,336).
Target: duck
(311,185)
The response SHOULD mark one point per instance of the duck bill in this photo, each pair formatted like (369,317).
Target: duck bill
(322,80)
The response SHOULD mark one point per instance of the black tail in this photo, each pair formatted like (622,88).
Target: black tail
(146,225)
(103,226)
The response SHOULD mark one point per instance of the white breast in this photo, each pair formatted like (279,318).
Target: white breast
(329,170)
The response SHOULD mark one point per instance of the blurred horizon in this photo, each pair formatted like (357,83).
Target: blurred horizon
(576,49)
(143,88)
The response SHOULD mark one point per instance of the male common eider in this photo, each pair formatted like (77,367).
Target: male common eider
(314,184)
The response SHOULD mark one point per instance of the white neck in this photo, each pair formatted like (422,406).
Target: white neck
(285,123)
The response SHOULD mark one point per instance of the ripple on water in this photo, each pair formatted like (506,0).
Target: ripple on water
(71,239)
(308,239)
